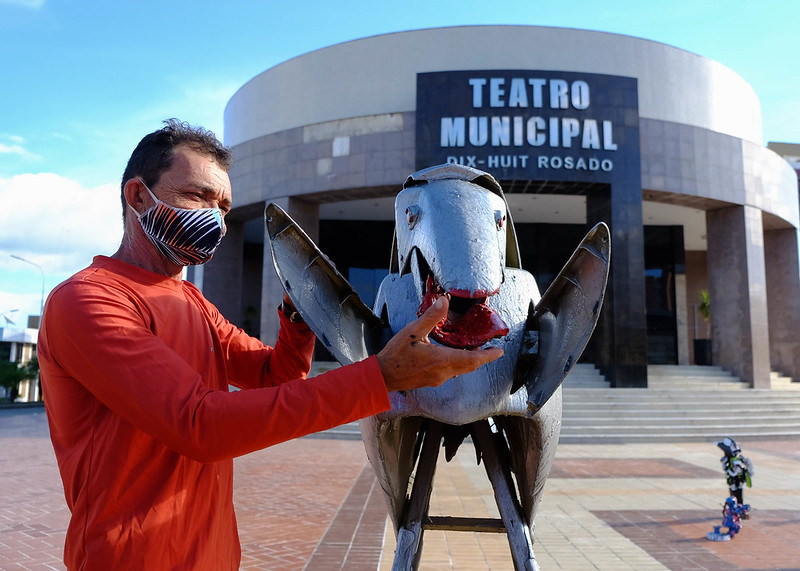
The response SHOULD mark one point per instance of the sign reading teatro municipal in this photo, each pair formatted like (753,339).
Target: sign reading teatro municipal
(545,125)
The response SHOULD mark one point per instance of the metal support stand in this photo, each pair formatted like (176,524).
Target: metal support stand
(409,536)
(494,452)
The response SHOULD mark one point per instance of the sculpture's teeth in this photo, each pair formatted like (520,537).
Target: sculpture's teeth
(470,322)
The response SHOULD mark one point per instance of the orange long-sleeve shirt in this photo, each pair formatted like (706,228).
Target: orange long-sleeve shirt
(135,370)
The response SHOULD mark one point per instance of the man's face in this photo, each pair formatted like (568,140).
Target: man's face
(194,181)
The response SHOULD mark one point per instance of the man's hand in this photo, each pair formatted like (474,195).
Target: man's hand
(410,360)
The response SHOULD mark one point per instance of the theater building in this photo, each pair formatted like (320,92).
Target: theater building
(663,145)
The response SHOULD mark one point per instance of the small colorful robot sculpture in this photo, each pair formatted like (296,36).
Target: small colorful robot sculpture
(732,513)
(454,237)
(738,471)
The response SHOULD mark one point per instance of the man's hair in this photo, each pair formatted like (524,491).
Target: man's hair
(154,153)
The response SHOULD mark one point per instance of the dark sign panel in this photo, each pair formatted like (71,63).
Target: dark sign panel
(523,124)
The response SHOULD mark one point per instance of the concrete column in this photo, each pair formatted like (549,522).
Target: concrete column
(306,214)
(738,293)
(619,342)
(680,315)
(681,326)
(222,275)
(783,300)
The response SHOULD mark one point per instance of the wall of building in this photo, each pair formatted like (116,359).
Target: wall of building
(356,79)
(339,125)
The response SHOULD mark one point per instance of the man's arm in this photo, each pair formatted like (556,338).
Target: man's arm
(94,338)
(99,355)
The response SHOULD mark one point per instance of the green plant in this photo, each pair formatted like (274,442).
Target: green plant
(705,305)
(705,310)
(11,375)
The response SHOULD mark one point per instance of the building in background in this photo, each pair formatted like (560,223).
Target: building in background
(18,346)
(790,152)
(578,126)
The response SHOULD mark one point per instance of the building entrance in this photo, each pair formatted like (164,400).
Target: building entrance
(663,259)
(360,249)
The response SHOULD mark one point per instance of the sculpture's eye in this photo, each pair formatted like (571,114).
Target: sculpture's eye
(499,219)
(412,216)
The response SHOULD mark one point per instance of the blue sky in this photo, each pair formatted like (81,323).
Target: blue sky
(81,81)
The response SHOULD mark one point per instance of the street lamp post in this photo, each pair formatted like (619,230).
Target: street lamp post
(41,304)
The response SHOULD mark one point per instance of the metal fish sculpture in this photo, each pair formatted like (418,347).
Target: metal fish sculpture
(454,236)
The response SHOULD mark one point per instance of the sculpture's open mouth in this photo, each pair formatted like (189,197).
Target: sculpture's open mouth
(470,323)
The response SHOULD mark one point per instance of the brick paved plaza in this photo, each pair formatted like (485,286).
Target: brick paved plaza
(314,503)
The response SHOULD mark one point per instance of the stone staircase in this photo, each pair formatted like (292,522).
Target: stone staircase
(584,376)
(681,404)
(692,377)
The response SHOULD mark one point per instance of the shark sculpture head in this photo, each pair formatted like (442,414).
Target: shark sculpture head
(452,232)
(454,237)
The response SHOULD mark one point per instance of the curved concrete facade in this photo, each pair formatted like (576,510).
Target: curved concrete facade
(332,134)
(377,75)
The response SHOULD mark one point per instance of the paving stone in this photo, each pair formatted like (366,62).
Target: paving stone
(314,504)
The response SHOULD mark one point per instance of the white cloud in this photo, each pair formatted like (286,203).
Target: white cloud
(14,138)
(56,224)
(57,221)
(16,149)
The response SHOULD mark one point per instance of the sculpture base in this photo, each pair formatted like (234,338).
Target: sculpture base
(717,536)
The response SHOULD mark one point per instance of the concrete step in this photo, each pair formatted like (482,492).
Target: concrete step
(667,436)
(692,376)
(681,423)
(687,371)
(681,404)
(652,394)
(664,415)
(585,375)
(617,414)
(782,382)
(700,398)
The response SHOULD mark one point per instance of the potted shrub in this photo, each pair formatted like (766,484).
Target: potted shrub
(702,347)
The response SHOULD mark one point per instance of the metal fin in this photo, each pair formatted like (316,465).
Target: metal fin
(323,297)
(560,325)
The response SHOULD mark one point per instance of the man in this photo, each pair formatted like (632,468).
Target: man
(136,365)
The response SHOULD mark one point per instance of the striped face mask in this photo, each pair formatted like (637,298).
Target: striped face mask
(186,236)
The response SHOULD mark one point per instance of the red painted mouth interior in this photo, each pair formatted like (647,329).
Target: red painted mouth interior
(470,323)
